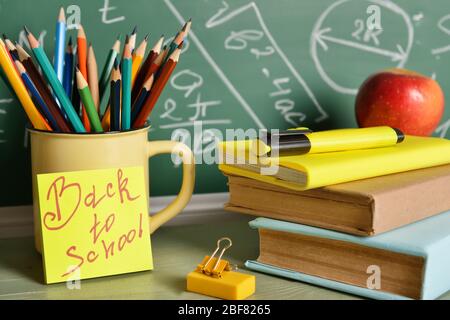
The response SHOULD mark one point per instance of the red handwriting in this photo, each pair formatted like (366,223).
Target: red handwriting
(106,227)
(108,248)
(58,193)
(103,245)
(91,200)
(77,257)
(123,187)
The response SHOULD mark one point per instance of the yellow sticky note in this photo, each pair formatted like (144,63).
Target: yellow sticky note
(94,223)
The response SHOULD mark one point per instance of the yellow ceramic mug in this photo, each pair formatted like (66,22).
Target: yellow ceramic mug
(62,152)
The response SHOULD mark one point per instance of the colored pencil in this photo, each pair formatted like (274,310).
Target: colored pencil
(132,39)
(56,85)
(157,65)
(142,73)
(115,98)
(60,42)
(43,89)
(82,64)
(107,68)
(93,77)
(137,57)
(75,94)
(14,79)
(106,118)
(187,27)
(157,89)
(88,102)
(142,97)
(36,97)
(11,48)
(179,37)
(68,69)
(126,89)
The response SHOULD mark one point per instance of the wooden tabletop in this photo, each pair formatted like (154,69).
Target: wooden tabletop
(176,252)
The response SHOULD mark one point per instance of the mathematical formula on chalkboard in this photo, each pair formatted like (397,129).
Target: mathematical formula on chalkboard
(261,64)
(286,85)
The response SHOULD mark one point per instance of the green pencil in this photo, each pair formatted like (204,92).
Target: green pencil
(126,88)
(88,102)
(54,82)
(109,64)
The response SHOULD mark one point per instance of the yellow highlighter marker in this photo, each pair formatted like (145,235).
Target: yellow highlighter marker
(329,141)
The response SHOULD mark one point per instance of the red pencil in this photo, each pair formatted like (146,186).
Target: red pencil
(82,65)
(143,72)
(157,89)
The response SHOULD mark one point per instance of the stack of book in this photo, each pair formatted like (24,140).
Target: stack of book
(372,222)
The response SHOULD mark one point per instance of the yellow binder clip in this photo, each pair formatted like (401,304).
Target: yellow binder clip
(214,277)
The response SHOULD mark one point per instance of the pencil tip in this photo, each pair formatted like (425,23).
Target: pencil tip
(26,30)
(81,32)
(62,15)
(134,30)
(4,36)
(127,39)
(146,37)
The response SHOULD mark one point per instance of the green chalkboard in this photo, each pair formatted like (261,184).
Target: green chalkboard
(273,64)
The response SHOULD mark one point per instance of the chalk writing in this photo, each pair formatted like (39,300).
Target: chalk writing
(322,36)
(105,11)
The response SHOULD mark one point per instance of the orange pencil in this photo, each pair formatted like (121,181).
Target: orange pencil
(82,65)
(157,89)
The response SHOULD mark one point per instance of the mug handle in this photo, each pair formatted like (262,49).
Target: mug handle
(187,185)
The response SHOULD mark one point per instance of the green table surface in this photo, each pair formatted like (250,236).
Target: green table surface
(176,252)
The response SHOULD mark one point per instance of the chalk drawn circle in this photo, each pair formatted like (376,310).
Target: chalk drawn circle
(319,27)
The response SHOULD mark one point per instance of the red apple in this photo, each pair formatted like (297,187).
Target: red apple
(401,99)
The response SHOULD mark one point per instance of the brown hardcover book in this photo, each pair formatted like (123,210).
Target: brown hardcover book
(341,261)
(364,207)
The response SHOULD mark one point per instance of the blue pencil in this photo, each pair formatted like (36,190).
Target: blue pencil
(36,96)
(60,42)
(125,113)
(68,69)
(141,98)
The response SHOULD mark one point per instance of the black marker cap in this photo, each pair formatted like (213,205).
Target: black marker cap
(400,135)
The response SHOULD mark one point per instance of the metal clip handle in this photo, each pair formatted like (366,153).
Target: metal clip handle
(230,243)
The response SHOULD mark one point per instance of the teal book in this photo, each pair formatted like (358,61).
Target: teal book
(411,262)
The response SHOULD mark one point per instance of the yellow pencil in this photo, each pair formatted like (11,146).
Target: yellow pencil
(138,56)
(14,79)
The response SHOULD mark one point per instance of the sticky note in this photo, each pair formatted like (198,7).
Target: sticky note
(94,223)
